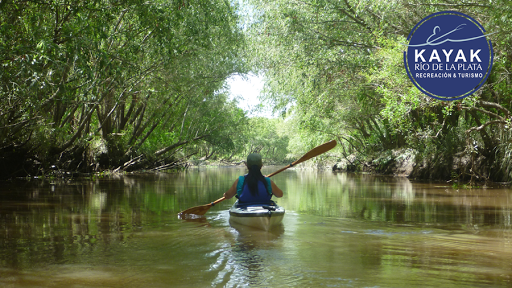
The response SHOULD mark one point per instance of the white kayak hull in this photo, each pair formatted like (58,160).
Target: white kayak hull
(264,217)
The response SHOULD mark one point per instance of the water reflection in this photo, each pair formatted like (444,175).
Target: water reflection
(252,237)
(339,230)
(247,259)
(394,199)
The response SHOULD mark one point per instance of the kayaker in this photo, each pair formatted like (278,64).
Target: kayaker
(254,188)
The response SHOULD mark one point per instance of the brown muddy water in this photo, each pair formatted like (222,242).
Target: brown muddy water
(340,230)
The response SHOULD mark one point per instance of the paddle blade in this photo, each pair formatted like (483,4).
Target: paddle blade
(317,151)
(198,210)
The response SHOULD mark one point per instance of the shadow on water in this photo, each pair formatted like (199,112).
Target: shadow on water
(201,221)
(247,259)
(252,237)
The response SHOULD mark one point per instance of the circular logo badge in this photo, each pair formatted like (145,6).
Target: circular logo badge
(448,55)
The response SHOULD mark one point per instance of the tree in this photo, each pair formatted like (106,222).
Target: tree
(339,63)
(76,71)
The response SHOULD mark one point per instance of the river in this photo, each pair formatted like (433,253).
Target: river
(340,230)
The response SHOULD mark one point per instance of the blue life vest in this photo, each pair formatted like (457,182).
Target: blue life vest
(245,196)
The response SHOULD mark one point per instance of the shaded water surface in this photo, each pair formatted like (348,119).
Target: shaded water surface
(340,230)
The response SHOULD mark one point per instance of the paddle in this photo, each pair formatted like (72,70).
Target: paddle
(201,210)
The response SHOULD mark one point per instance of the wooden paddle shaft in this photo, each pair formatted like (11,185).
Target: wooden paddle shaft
(310,154)
(217,201)
(279,171)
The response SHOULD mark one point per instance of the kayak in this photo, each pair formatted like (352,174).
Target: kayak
(263,217)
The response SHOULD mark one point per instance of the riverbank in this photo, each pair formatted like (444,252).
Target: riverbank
(401,163)
(409,163)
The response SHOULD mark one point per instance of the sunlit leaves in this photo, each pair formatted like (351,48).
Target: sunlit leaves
(339,64)
(88,69)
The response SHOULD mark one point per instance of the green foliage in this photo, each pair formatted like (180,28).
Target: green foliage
(337,67)
(257,135)
(263,137)
(146,80)
(128,72)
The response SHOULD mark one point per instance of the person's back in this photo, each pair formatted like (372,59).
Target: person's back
(259,192)
(254,188)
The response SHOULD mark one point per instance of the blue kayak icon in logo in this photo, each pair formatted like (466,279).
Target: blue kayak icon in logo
(448,56)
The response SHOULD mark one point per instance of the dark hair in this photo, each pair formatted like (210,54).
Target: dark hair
(253,177)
